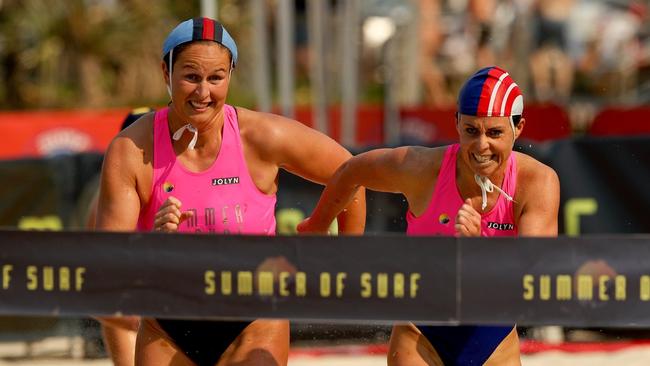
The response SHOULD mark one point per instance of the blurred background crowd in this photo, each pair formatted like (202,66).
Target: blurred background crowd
(104,53)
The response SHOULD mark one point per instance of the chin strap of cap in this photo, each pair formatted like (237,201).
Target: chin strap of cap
(179,133)
(487,186)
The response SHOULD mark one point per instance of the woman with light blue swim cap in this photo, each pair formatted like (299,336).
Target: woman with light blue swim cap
(160,174)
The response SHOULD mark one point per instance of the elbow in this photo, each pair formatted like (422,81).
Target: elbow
(347,174)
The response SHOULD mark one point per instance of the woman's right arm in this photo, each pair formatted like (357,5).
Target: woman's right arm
(384,170)
(119,204)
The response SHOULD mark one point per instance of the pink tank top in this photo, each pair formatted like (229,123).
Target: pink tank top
(438,219)
(223,198)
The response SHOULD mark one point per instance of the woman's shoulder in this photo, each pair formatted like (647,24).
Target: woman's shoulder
(262,121)
(427,158)
(135,141)
(537,195)
(529,166)
(533,173)
(141,130)
(269,131)
(419,169)
(258,125)
(419,165)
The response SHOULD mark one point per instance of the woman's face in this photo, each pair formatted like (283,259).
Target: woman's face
(200,79)
(486,142)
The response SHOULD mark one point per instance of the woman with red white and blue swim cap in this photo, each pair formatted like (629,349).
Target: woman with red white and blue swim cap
(201,165)
(476,187)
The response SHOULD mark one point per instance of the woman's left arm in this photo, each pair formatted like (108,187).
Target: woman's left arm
(539,215)
(314,156)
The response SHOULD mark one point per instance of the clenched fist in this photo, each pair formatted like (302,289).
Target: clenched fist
(468,220)
(170,216)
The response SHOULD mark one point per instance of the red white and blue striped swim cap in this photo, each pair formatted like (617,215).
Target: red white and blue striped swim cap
(491,92)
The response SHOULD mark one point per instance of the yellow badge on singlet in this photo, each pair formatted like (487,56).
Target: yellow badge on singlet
(168,187)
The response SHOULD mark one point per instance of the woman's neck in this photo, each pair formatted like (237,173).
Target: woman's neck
(466,183)
(209,131)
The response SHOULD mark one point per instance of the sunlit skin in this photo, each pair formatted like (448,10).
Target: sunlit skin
(200,79)
(485,144)
(199,84)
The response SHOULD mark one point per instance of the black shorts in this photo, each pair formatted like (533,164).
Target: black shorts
(549,33)
(202,341)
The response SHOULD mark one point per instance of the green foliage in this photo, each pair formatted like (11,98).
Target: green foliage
(106,53)
(79,53)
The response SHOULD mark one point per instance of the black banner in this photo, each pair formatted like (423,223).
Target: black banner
(593,281)
(603,184)
(50,193)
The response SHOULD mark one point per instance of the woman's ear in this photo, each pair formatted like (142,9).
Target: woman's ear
(519,127)
(165,72)
(167,78)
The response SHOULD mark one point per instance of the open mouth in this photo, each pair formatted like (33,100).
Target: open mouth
(483,159)
(198,106)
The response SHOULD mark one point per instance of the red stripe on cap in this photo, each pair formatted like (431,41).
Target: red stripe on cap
(208,29)
(511,100)
(486,92)
(498,97)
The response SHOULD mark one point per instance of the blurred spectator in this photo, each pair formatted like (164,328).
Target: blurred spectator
(482,15)
(458,36)
(431,38)
(607,48)
(503,32)
(301,39)
(550,65)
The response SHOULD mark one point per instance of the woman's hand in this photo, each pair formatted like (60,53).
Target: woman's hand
(468,220)
(306,227)
(169,216)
